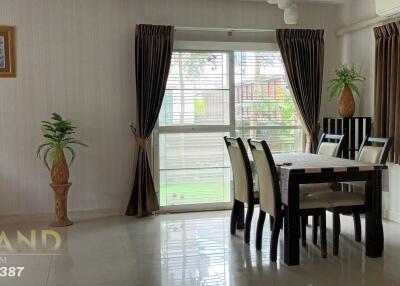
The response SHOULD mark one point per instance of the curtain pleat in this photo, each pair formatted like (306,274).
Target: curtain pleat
(387,86)
(153,52)
(303,56)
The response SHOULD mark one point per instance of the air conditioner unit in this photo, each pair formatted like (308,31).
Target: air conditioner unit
(387,8)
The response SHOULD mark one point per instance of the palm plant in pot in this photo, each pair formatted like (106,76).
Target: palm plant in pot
(344,85)
(58,134)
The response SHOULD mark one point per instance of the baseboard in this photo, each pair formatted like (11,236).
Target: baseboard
(391,215)
(73,214)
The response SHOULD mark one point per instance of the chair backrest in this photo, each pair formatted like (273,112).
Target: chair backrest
(327,147)
(241,169)
(371,153)
(270,195)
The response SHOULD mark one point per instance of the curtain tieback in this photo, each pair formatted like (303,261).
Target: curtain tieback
(140,141)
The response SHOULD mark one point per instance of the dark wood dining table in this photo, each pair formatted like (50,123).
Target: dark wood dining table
(305,168)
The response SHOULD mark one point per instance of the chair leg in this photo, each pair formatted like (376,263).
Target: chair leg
(322,230)
(240,215)
(259,232)
(357,226)
(336,231)
(234,217)
(315,229)
(275,237)
(271,222)
(249,216)
(303,222)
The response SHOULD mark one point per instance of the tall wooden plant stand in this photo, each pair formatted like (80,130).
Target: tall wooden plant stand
(60,205)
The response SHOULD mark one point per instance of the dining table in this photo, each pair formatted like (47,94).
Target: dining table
(295,169)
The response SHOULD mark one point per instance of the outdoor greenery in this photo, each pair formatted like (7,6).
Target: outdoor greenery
(58,135)
(194,193)
(345,75)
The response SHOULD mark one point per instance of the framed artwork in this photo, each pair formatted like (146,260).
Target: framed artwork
(7,53)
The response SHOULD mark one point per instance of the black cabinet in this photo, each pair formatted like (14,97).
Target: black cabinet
(355,129)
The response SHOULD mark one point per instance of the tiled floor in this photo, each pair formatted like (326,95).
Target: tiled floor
(193,249)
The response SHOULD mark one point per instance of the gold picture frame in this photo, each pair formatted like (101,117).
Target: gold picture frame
(7,52)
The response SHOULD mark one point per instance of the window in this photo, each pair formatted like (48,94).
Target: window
(211,94)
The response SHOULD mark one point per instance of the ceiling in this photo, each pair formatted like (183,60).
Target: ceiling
(302,1)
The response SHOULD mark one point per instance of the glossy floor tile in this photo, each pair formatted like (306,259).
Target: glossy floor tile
(190,249)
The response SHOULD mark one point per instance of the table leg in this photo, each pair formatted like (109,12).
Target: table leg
(292,226)
(373,218)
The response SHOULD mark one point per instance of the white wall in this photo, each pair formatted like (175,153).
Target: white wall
(73,57)
(76,57)
(359,48)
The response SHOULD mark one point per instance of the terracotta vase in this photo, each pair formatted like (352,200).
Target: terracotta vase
(347,105)
(60,171)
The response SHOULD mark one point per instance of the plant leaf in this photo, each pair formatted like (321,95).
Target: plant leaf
(45,154)
(335,90)
(72,154)
(76,142)
(56,116)
(354,88)
(41,147)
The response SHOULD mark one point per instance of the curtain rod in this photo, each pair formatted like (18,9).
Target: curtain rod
(210,29)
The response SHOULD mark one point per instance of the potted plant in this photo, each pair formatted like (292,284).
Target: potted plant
(345,85)
(58,135)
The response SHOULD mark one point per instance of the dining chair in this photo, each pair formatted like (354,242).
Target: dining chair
(329,145)
(354,202)
(244,192)
(271,201)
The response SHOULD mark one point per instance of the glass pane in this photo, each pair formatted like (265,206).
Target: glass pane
(280,140)
(194,168)
(262,95)
(264,108)
(197,91)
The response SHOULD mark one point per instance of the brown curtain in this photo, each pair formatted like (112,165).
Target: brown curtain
(387,86)
(303,55)
(153,52)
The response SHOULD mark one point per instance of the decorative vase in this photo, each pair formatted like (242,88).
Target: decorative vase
(346,103)
(60,205)
(60,171)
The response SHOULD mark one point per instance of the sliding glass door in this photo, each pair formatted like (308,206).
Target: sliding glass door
(193,164)
(211,94)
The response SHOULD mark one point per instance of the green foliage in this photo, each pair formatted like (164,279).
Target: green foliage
(345,76)
(284,108)
(199,107)
(58,136)
(194,63)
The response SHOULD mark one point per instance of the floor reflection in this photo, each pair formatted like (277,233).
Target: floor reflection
(196,249)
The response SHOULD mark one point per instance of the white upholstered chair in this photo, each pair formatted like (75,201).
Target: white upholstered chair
(270,199)
(330,145)
(354,201)
(243,187)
